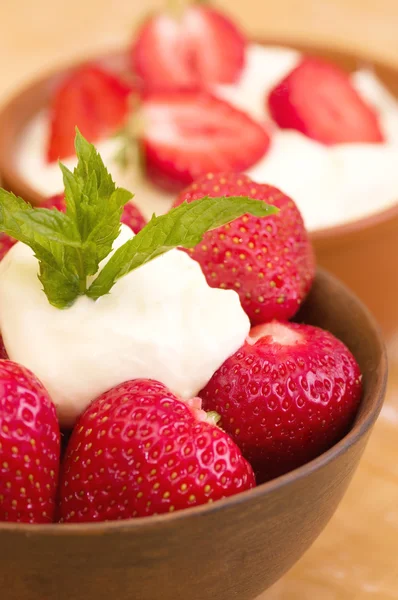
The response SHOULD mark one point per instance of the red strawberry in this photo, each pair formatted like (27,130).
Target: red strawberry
(92,99)
(286,396)
(131,215)
(139,451)
(318,99)
(6,242)
(3,351)
(57,201)
(29,447)
(269,262)
(188,134)
(202,47)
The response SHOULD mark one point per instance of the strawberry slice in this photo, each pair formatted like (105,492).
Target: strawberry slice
(92,99)
(188,134)
(318,99)
(202,47)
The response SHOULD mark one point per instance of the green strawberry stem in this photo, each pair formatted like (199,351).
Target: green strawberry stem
(213,417)
(69,247)
(131,155)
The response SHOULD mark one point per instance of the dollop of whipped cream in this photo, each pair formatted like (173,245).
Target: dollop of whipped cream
(161,321)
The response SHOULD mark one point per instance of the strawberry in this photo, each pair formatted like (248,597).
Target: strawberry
(202,47)
(92,99)
(188,134)
(268,261)
(318,99)
(6,242)
(29,447)
(57,201)
(131,215)
(287,395)
(138,450)
(3,351)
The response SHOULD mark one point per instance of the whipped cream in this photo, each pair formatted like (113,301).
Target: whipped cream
(161,321)
(331,185)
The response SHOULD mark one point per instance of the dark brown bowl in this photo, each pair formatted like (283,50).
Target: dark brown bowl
(364,253)
(234,548)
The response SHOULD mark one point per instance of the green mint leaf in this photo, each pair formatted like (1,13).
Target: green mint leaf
(94,203)
(183,226)
(54,240)
(51,224)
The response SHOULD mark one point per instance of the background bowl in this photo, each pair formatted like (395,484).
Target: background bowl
(235,548)
(362,253)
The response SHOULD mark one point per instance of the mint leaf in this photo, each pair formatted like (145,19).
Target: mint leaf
(182,226)
(54,240)
(69,246)
(94,203)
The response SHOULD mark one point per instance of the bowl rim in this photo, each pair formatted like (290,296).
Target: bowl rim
(10,172)
(358,430)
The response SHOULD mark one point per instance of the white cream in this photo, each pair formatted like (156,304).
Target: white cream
(331,185)
(161,321)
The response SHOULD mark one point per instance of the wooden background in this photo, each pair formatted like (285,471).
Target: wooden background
(356,558)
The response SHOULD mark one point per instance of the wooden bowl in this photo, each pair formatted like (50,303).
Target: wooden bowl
(363,253)
(234,548)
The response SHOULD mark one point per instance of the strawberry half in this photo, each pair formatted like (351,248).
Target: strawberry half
(318,99)
(138,450)
(131,215)
(268,261)
(92,99)
(201,47)
(286,396)
(29,447)
(191,133)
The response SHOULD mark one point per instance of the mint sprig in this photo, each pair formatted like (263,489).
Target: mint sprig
(70,246)
(94,204)
(183,226)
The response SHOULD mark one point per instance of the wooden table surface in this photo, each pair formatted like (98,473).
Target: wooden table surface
(356,558)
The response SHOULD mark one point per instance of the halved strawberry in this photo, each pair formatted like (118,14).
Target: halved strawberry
(188,134)
(318,99)
(92,99)
(200,47)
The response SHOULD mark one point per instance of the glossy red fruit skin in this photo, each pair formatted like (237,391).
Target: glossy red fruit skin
(318,99)
(208,134)
(92,99)
(29,447)
(269,262)
(285,405)
(6,242)
(200,48)
(139,451)
(131,215)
